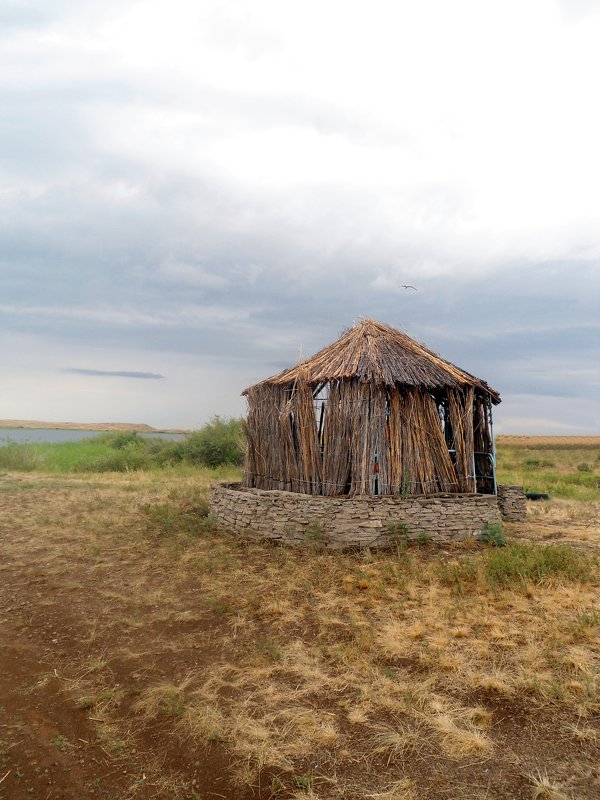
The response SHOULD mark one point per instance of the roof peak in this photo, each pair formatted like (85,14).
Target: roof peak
(375,352)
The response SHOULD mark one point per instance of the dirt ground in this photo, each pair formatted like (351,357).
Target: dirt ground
(143,659)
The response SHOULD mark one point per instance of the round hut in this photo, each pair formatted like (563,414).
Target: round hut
(375,413)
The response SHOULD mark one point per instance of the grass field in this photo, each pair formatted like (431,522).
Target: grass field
(562,466)
(146,654)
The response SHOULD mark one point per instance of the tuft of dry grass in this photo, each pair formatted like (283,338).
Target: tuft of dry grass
(544,788)
(403,789)
(395,744)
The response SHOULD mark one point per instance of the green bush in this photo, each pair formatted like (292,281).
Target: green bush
(584,467)
(218,442)
(120,439)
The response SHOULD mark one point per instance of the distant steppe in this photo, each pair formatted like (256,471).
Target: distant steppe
(87,426)
(548,441)
(141,427)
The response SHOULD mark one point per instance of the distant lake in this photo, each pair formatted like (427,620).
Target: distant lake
(56,435)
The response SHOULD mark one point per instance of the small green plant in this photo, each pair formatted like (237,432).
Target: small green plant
(422,538)
(398,533)
(277,786)
(219,605)
(315,531)
(303,782)
(269,648)
(115,747)
(367,555)
(589,619)
(405,486)
(174,704)
(398,529)
(584,623)
(584,467)
(60,741)
(492,534)
(533,563)
(315,535)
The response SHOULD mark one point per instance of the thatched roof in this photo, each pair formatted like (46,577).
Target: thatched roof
(376,353)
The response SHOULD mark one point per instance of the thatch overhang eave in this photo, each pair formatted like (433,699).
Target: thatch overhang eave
(378,354)
(430,386)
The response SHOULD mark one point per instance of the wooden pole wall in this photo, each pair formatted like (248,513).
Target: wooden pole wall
(372,438)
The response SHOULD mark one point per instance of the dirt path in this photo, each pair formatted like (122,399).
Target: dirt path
(48,746)
(68,607)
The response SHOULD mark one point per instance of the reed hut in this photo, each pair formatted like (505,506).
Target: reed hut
(374,413)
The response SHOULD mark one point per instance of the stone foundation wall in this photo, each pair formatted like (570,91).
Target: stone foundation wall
(511,502)
(340,522)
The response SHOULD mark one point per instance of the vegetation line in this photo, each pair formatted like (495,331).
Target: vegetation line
(218,442)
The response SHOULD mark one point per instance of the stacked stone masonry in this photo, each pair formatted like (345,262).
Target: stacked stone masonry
(511,502)
(344,522)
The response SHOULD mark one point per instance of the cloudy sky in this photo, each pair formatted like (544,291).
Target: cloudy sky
(195,192)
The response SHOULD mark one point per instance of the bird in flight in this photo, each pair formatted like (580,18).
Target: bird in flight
(408,286)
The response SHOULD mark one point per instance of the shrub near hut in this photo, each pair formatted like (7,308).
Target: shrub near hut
(218,442)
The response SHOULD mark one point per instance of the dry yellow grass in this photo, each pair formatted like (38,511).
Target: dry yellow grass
(302,675)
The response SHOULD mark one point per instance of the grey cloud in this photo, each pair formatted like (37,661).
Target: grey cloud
(35,14)
(293,266)
(23,14)
(116,373)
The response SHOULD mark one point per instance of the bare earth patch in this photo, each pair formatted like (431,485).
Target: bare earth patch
(145,655)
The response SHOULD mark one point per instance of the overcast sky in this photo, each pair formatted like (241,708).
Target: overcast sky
(193,193)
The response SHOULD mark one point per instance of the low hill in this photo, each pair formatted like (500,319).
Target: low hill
(140,427)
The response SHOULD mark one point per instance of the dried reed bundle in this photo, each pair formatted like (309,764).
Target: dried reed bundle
(460,406)
(359,423)
(309,449)
(337,437)
(396,443)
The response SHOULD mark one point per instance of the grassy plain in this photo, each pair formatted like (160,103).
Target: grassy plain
(149,655)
